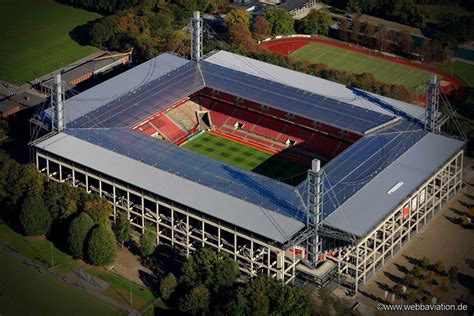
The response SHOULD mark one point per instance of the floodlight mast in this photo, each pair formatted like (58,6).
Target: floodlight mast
(58,123)
(315,201)
(196,41)
(432,114)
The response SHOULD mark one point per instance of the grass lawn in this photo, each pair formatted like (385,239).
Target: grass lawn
(25,291)
(35,38)
(435,12)
(245,157)
(383,70)
(464,71)
(39,249)
(119,289)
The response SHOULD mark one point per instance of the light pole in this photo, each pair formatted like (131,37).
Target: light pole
(131,294)
(52,254)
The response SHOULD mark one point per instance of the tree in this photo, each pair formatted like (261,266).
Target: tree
(266,295)
(122,228)
(240,35)
(28,183)
(353,6)
(99,210)
(167,286)
(101,246)
(215,270)
(261,29)
(415,271)
(316,22)
(148,242)
(197,301)
(280,21)
(405,41)
(408,280)
(425,262)
(34,217)
(240,304)
(439,267)
(355,29)
(9,171)
(453,273)
(369,30)
(398,290)
(343,27)
(422,285)
(102,31)
(77,234)
(4,129)
(238,16)
(61,200)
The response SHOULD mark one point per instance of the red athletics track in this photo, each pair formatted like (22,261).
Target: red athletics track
(286,46)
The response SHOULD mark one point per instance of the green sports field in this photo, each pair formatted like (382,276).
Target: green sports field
(246,157)
(343,59)
(35,39)
(25,291)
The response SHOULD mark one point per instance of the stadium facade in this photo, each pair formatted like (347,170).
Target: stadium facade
(385,171)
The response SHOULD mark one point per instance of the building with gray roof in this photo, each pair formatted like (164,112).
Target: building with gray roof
(371,197)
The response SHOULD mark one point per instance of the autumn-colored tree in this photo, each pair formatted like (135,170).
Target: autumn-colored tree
(425,262)
(405,41)
(240,34)
(261,29)
(355,29)
(369,34)
(238,16)
(128,23)
(99,210)
(439,267)
(343,27)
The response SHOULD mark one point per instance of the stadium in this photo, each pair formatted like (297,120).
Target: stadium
(291,175)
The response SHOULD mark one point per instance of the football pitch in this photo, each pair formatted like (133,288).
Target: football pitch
(383,70)
(246,157)
(35,38)
(25,291)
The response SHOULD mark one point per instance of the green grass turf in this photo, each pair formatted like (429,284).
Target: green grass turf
(25,291)
(464,71)
(119,289)
(383,70)
(246,157)
(39,249)
(35,40)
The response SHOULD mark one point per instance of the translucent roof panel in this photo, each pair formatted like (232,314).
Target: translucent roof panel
(292,100)
(346,174)
(149,178)
(316,85)
(119,86)
(361,213)
(144,101)
(267,193)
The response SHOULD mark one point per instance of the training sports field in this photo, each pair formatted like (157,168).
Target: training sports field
(25,291)
(245,157)
(35,39)
(383,70)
